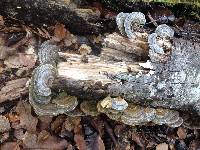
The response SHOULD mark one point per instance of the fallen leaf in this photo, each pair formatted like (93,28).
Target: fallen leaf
(194,145)
(4,137)
(162,146)
(96,144)
(43,135)
(138,139)
(13,89)
(10,145)
(44,122)
(21,60)
(30,141)
(69,39)
(80,142)
(56,125)
(79,136)
(13,117)
(19,134)
(1,21)
(4,124)
(181,133)
(68,124)
(59,31)
(27,121)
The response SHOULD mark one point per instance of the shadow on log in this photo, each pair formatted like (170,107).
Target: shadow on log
(49,12)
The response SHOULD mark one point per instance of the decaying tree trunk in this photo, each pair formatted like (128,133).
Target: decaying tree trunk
(173,83)
(48,12)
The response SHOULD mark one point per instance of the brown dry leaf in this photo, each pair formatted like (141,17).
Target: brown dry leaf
(69,39)
(1,21)
(56,125)
(162,146)
(19,134)
(79,137)
(13,89)
(13,117)
(4,137)
(44,122)
(21,60)
(1,69)
(138,139)
(27,121)
(59,31)
(194,145)
(98,144)
(69,126)
(4,51)
(31,141)
(80,142)
(43,135)
(10,146)
(4,124)
(71,122)
(181,133)
(119,130)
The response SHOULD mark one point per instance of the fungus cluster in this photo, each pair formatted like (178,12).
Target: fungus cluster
(127,22)
(40,95)
(133,114)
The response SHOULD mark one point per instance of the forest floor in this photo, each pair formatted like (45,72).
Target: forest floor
(21,128)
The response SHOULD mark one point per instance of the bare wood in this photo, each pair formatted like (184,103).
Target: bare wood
(174,83)
(117,47)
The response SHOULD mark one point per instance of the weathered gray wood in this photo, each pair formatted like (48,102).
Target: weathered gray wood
(174,83)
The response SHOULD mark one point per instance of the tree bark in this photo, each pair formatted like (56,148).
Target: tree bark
(43,13)
(173,83)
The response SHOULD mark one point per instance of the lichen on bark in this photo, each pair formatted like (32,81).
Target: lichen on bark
(173,84)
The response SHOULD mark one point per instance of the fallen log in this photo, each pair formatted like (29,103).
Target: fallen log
(172,83)
(42,13)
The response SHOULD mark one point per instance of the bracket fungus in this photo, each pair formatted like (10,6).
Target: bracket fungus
(40,95)
(159,42)
(127,22)
(139,115)
(48,53)
(89,108)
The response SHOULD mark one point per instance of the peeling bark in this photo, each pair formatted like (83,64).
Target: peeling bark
(173,83)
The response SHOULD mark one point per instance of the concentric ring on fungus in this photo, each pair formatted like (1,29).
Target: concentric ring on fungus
(41,82)
(169,117)
(134,115)
(133,20)
(89,108)
(48,53)
(120,18)
(66,102)
(162,33)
